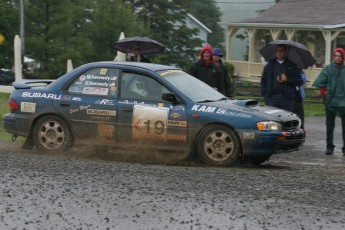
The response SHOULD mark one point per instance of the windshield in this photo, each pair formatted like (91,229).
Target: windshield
(191,87)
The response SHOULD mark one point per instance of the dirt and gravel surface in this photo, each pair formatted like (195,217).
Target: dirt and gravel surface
(89,189)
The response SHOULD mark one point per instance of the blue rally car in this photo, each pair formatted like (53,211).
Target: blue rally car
(147,105)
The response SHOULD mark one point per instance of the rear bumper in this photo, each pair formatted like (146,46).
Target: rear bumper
(17,124)
(272,142)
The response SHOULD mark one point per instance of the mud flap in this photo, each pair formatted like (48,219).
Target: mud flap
(28,144)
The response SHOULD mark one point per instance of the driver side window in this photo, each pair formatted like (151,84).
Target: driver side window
(141,87)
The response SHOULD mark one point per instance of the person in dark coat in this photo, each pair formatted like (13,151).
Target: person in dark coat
(205,70)
(217,57)
(280,81)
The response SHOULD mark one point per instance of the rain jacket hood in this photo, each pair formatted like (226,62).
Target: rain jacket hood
(342,52)
(209,48)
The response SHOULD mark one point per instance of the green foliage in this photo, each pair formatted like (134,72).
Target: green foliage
(231,68)
(207,12)
(80,30)
(166,20)
(8,20)
(109,19)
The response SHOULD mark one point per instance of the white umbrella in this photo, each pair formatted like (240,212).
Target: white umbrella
(120,56)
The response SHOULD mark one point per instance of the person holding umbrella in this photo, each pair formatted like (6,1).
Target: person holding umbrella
(280,80)
(205,70)
(332,78)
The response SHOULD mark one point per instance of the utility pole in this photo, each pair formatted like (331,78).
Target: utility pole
(21,26)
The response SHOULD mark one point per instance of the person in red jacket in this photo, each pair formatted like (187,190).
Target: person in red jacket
(205,70)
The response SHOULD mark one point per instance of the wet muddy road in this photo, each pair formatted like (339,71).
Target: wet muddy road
(299,190)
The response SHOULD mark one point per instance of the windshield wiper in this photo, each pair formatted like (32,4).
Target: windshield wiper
(223,99)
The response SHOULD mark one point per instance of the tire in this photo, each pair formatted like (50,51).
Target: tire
(218,145)
(51,134)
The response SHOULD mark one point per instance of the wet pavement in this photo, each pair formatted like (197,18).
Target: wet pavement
(298,190)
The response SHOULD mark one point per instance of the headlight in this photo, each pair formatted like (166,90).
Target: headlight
(269,125)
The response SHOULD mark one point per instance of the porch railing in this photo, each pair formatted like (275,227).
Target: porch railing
(250,71)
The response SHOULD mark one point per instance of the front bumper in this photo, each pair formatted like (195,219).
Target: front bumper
(271,142)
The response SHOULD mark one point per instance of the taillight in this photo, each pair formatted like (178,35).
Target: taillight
(13,105)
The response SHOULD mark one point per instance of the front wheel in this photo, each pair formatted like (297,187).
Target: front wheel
(218,145)
(51,134)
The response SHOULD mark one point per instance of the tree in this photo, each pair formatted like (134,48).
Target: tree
(207,12)
(110,18)
(167,21)
(55,33)
(8,20)
(80,30)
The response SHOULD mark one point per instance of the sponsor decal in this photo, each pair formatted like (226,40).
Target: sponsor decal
(41,95)
(66,98)
(103,71)
(127,102)
(75,88)
(101,112)
(248,135)
(105,102)
(82,107)
(82,78)
(177,123)
(95,90)
(28,107)
(100,84)
(76,99)
(113,88)
(221,110)
(112,84)
(160,105)
(100,118)
(96,77)
(105,130)
(175,115)
(113,78)
(203,108)
(177,137)
(273,111)
(235,114)
(178,107)
(170,72)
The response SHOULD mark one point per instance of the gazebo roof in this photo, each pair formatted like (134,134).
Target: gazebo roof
(304,12)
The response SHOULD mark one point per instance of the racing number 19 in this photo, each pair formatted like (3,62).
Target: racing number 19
(158,126)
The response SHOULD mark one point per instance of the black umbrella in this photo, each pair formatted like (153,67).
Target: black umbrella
(296,52)
(143,45)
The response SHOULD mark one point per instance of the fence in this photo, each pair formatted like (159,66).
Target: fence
(250,71)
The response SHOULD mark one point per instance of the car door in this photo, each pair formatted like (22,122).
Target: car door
(90,104)
(144,118)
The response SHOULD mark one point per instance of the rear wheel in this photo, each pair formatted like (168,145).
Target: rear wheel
(218,145)
(51,134)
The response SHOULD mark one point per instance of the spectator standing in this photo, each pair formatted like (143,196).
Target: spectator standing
(279,81)
(217,57)
(331,81)
(205,70)
(299,107)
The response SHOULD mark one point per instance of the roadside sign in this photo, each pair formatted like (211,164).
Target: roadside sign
(2,38)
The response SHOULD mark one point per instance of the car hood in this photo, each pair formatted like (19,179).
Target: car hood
(252,107)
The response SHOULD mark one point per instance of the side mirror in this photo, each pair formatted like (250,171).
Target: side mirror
(169,97)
